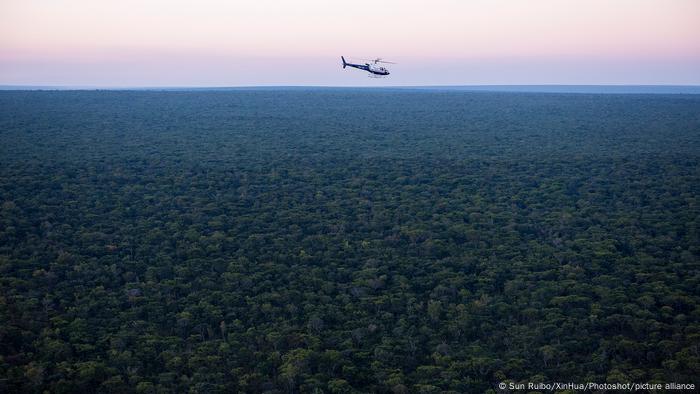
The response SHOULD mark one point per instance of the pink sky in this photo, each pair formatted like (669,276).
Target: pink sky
(265,42)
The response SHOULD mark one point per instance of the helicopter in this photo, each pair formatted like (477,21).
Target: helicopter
(372,67)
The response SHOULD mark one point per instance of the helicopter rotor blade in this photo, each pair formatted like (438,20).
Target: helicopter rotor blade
(376,60)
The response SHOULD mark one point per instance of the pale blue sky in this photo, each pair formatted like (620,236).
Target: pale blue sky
(267,42)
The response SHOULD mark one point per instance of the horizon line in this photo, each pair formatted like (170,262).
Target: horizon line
(523,88)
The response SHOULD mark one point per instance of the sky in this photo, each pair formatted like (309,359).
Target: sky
(156,43)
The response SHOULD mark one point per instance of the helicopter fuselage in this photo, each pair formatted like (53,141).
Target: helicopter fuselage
(370,68)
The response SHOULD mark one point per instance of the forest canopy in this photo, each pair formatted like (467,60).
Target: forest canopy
(346,240)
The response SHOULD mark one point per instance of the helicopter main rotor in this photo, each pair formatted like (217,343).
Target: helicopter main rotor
(376,60)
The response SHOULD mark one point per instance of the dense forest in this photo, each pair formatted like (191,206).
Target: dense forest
(346,240)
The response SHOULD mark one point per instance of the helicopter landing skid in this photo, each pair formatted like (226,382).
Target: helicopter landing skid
(375,76)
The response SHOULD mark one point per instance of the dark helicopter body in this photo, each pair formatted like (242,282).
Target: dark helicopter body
(372,68)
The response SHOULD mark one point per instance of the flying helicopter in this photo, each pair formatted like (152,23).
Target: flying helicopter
(372,66)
